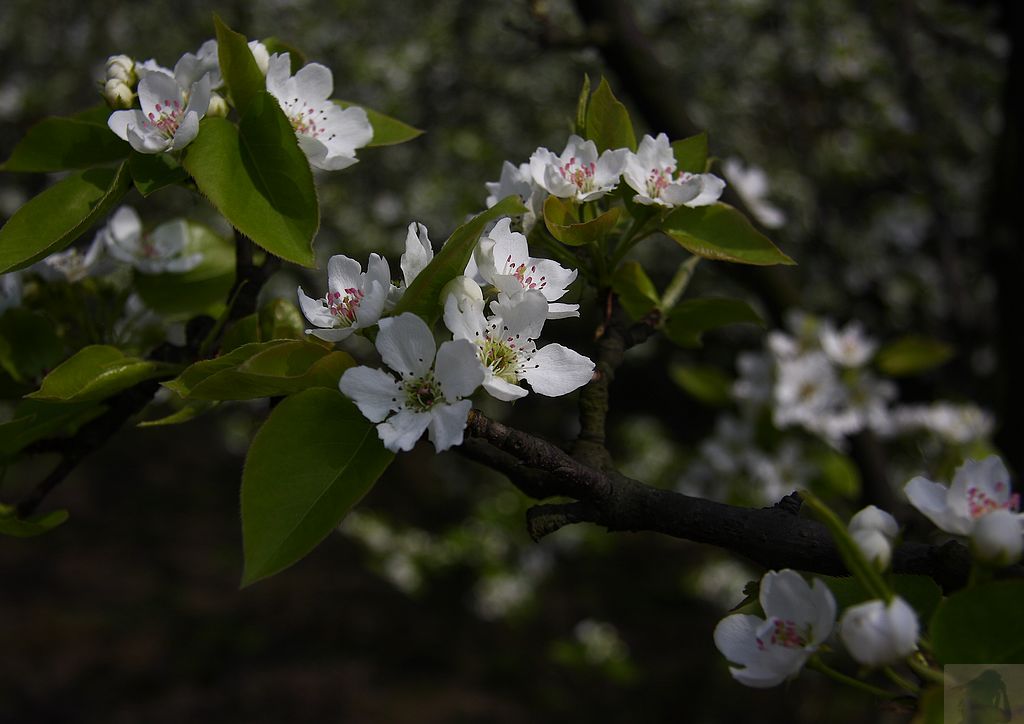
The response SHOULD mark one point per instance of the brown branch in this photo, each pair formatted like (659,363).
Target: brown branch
(774,537)
(616,336)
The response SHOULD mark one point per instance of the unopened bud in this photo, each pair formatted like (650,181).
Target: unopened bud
(874,545)
(997,539)
(877,634)
(464,289)
(117,94)
(122,68)
(873,518)
(218,106)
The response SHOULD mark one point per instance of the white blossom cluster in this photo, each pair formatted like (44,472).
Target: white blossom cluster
(171,102)
(581,174)
(814,378)
(492,345)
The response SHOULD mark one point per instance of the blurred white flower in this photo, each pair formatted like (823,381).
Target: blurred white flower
(877,634)
(751,184)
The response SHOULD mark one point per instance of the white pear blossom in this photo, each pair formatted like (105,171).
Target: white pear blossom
(426,396)
(651,172)
(503,258)
(978,489)
(848,347)
(958,424)
(872,517)
(159,251)
(193,66)
(578,173)
(518,181)
(876,633)
(328,134)
(769,651)
(355,299)
(505,347)
(874,546)
(169,117)
(751,183)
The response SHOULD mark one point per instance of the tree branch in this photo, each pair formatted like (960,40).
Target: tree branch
(774,537)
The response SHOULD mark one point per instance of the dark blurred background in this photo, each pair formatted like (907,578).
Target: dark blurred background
(889,149)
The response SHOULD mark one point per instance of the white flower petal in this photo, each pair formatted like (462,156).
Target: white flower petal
(186,132)
(931,499)
(556,370)
(786,595)
(314,311)
(458,370)
(448,423)
(343,273)
(374,391)
(120,121)
(314,82)
(332,335)
(406,345)
(418,252)
(401,431)
(464,318)
(502,390)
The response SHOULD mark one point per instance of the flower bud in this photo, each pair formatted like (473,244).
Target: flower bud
(997,538)
(876,634)
(464,289)
(218,106)
(122,68)
(873,518)
(117,94)
(874,545)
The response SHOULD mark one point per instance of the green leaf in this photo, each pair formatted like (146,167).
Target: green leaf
(635,290)
(387,131)
(981,625)
(692,153)
(29,344)
(423,297)
(838,475)
(237,65)
(186,413)
(59,144)
(688,320)
(201,290)
(706,383)
(581,107)
(912,355)
(244,331)
(154,171)
(195,374)
(608,123)
(310,463)
(34,420)
(263,369)
(722,233)
(258,179)
(56,217)
(561,220)
(28,527)
(97,372)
